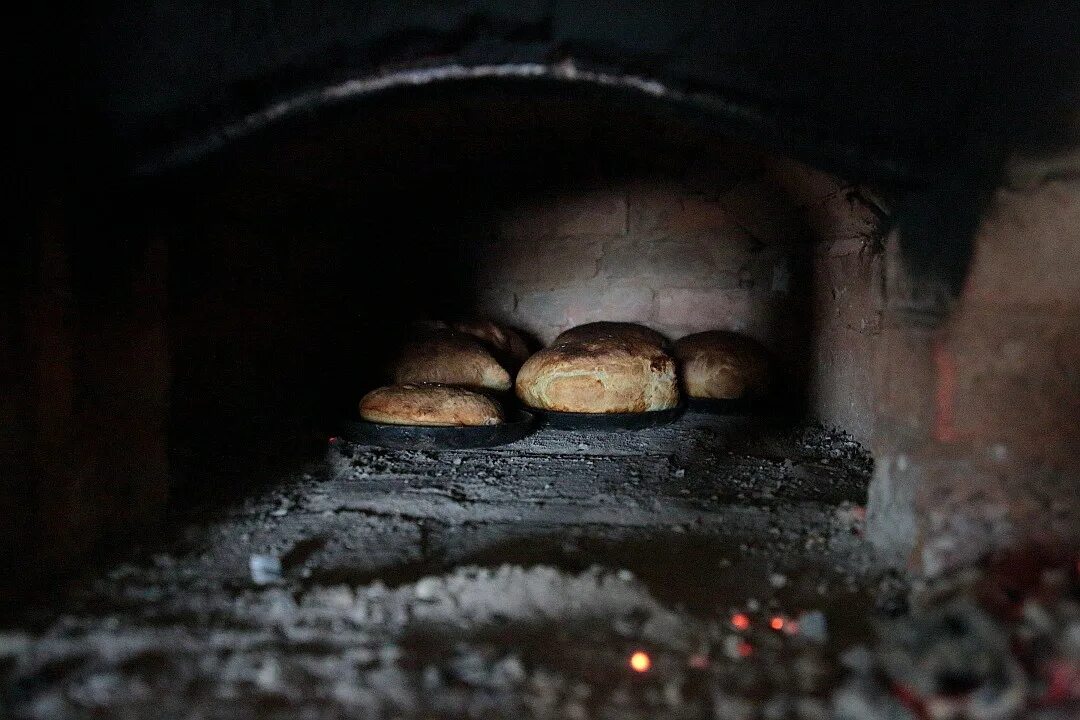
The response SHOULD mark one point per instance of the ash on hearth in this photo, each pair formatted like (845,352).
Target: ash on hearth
(990,643)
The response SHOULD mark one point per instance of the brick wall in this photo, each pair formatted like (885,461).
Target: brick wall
(846,295)
(680,257)
(1006,432)
(685,256)
(978,419)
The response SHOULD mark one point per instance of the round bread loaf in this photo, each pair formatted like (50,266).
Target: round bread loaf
(597,331)
(607,374)
(506,342)
(450,358)
(722,365)
(430,404)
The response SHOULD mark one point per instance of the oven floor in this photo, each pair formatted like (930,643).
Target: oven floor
(511,582)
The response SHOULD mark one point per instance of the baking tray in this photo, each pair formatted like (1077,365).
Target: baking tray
(518,424)
(606,421)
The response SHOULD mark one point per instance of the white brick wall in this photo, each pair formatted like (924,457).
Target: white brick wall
(649,251)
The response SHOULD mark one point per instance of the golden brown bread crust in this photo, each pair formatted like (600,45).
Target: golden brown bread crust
(605,374)
(722,365)
(600,330)
(506,342)
(433,405)
(451,358)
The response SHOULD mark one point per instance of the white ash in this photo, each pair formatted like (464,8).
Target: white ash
(265,569)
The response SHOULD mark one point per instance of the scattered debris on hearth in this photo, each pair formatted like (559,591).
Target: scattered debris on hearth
(265,569)
(991,643)
(852,516)
(812,626)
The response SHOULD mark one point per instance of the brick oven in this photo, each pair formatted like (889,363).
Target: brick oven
(231,215)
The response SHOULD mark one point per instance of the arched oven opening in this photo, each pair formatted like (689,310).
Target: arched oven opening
(301,257)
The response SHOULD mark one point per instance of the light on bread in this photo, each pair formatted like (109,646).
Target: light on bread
(601,368)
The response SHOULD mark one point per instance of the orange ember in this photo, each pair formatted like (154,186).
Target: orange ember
(640,661)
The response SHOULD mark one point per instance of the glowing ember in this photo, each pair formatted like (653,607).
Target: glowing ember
(699,662)
(745,649)
(332,440)
(640,662)
(777,623)
(740,621)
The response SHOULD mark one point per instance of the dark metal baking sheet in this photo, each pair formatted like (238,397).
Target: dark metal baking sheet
(519,424)
(606,421)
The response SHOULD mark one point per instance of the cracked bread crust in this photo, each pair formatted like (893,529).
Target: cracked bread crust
(600,372)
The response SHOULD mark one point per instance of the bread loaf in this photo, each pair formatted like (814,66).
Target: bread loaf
(600,371)
(505,343)
(451,358)
(439,405)
(722,365)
